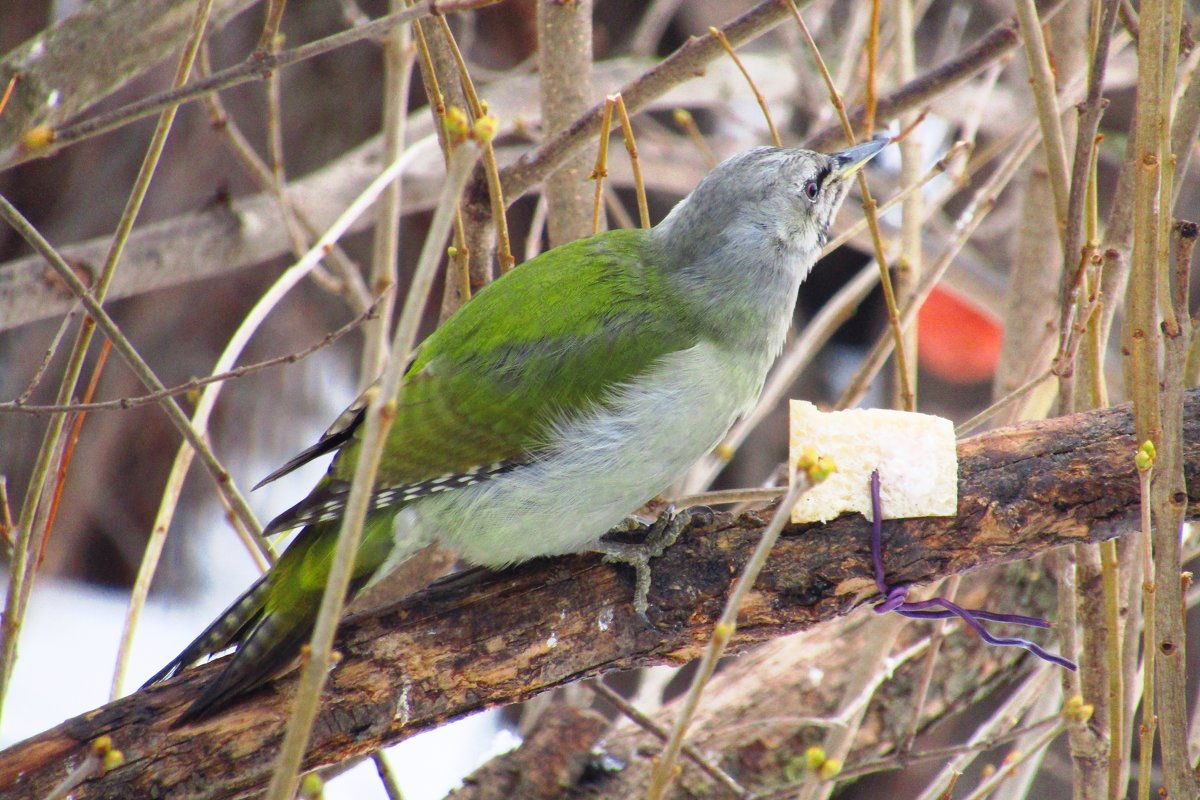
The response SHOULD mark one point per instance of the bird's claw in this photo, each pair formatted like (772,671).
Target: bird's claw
(659,535)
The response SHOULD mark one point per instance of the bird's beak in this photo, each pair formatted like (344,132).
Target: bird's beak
(852,159)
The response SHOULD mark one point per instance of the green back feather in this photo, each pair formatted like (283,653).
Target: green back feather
(545,341)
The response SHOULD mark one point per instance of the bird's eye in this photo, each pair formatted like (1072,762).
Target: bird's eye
(811,190)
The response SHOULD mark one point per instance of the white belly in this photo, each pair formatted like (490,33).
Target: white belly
(600,466)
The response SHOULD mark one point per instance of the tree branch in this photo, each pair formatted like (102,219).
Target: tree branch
(486,639)
(96,50)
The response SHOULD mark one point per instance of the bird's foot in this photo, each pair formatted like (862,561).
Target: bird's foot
(659,535)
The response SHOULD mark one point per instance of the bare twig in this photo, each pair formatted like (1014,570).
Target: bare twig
(6,519)
(387,776)
(434,61)
(909,264)
(942,753)
(639,185)
(964,428)
(490,169)
(600,170)
(1090,112)
(1046,100)
(725,496)
(398,55)
(52,348)
(1149,723)
(988,786)
(378,420)
(758,96)
(645,723)
(868,126)
(249,70)
(684,119)
(922,692)
(1110,571)
(126,403)
(1003,719)
(722,632)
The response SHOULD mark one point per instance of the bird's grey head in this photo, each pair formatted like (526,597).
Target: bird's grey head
(750,232)
(782,199)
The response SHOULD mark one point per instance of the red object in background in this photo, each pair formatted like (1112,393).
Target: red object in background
(957,342)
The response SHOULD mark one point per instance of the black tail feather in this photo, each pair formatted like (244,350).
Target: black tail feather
(270,645)
(227,629)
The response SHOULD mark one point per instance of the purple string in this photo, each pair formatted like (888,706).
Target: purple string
(895,598)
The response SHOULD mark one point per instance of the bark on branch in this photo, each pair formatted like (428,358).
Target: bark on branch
(493,638)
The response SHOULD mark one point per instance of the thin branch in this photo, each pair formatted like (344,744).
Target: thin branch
(964,428)
(398,54)
(1044,741)
(1090,112)
(635,164)
(647,724)
(564,52)
(909,265)
(684,119)
(1046,100)
(490,168)
(722,632)
(1004,718)
(251,69)
(1110,575)
(6,519)
(1149,722)
(52,348)
(387,776)
(727,496)
(941,753)
(600,170)
(434,60)
(378,420)
(126,403)
(868,127)
(758,96)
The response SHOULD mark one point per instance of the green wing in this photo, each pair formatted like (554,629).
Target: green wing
(548,339)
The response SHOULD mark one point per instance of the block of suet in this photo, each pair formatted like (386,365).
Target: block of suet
(915,454)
